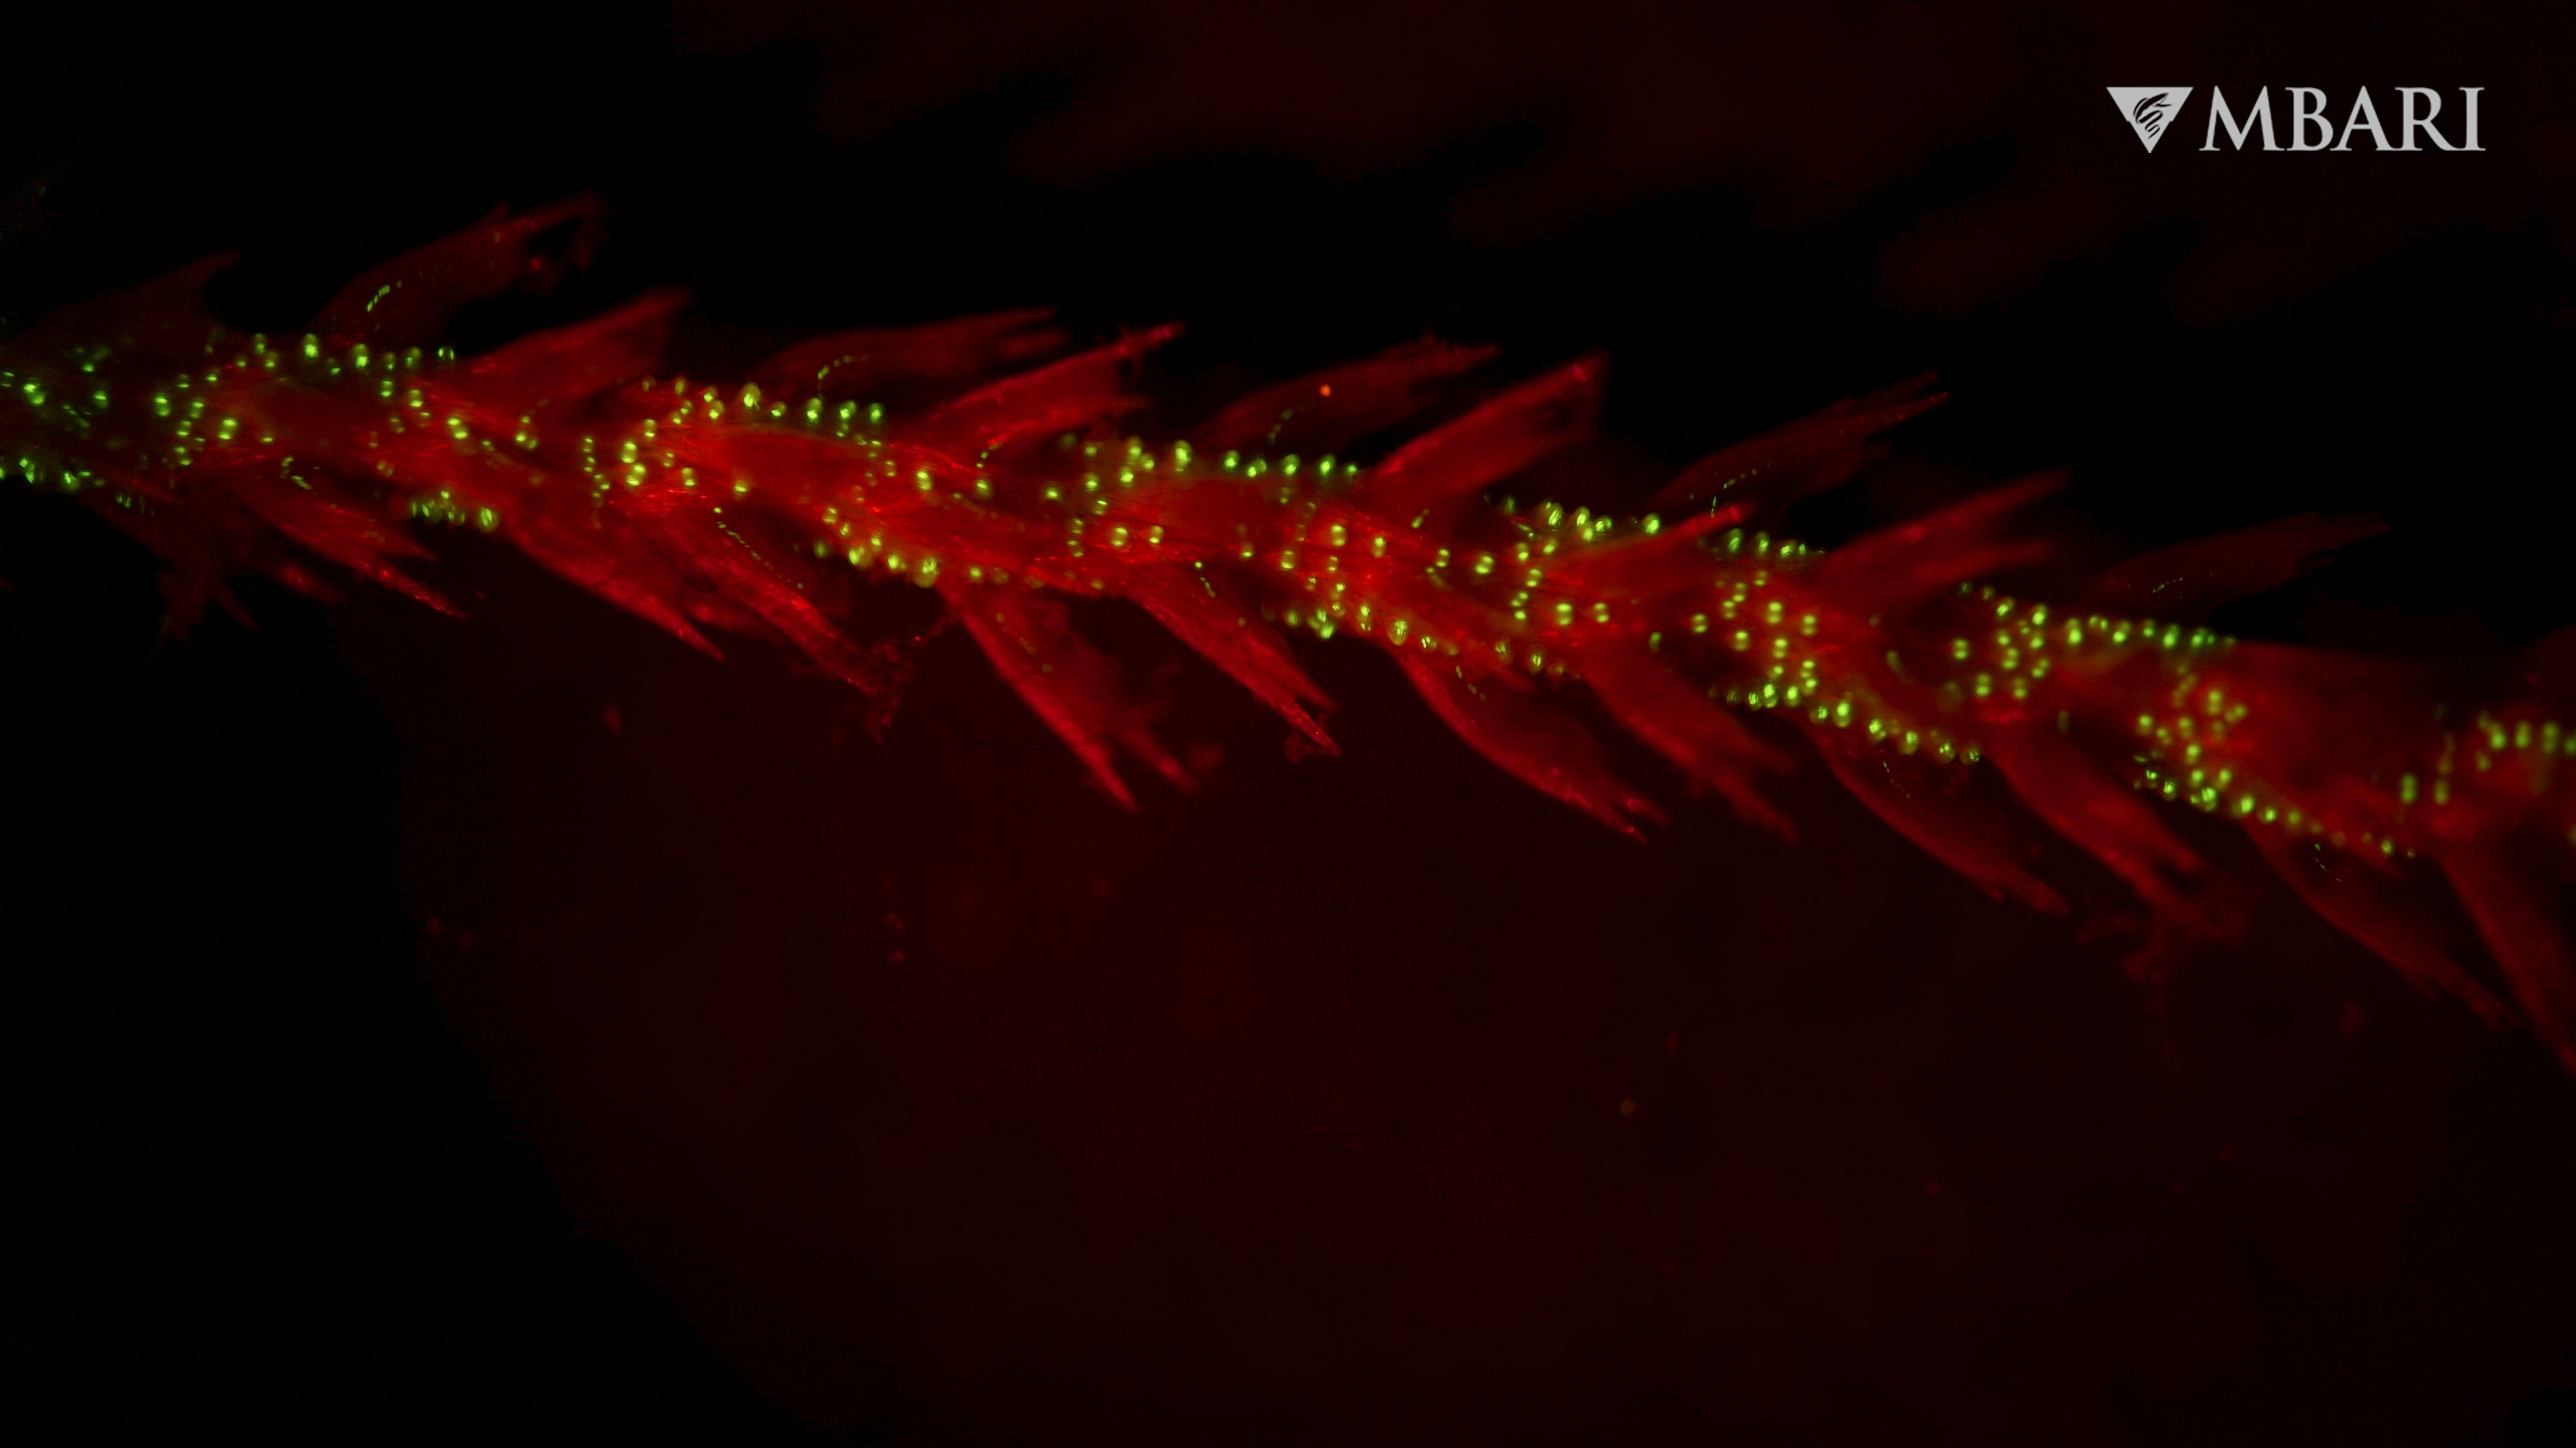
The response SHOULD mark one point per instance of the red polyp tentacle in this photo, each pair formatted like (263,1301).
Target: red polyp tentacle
(408,300)
(1063,396)
(1203,610)
(754,507)
(1767,473)
(1442,470)
(872,362)
(1335,407)
(1905,566)
(2374,912)
(1705,742)
(2513,905)
(2188,580)
(1543,750)
(1071,685)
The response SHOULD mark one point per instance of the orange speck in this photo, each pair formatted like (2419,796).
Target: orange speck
(1326,389)
(1628,1108)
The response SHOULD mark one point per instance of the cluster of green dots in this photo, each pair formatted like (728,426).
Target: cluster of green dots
(1551,526)
(1107,471)
(2181,753)
(2025,642)
(1313,556)
(1755,618)
(1739,543)
(442,507)
(841,419)
(2533,748)
(2535,743)
(874,551)
(2182,762)
(1517,572)
(1251,467)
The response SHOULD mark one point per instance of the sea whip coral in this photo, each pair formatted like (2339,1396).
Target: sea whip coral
(941,455)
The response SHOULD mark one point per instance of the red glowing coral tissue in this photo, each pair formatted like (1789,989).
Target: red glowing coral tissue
(753,506)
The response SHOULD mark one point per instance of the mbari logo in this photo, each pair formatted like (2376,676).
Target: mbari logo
(2151,109)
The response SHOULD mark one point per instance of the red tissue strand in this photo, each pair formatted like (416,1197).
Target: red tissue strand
(957,457)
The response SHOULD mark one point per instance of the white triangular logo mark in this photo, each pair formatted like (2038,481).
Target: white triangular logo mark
(2149,108)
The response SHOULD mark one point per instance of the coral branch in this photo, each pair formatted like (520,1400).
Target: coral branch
(921,454)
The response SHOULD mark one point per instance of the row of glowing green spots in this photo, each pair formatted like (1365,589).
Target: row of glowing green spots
(1253,467)
(816,415)
(2535,746)
(1739,543)
(874,552)
(1111,469)
(2023,645)
(389,369)
(321,359)
(43,470)
(1581,527)
(839,420)
(2539,742)
(1841,708)
(442,507)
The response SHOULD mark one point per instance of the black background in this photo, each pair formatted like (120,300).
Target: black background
(426,1028)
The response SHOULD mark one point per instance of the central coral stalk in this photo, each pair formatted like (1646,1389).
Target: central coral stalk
(751,507)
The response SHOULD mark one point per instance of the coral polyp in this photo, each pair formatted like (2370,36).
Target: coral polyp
(956,458)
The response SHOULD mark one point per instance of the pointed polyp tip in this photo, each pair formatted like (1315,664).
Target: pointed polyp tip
(1454,357)
(1753,810)
(2026,489)
(1307,737)
(1909,389)
(660,301)
(188,282)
